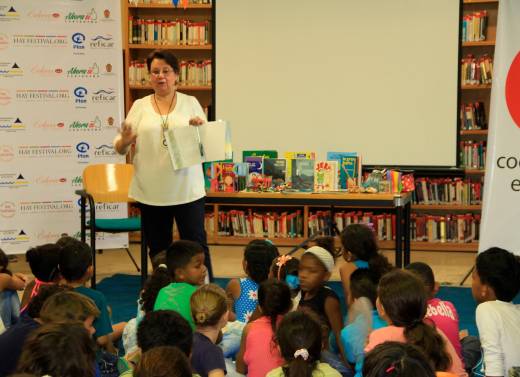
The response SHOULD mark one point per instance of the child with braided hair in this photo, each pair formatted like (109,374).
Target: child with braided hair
(210,313)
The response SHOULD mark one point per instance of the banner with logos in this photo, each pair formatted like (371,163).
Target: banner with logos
(501,210)
(61,102)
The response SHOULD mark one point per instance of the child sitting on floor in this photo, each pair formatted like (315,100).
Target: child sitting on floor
(258,257)
(496,282)
(9,285)
(185,261)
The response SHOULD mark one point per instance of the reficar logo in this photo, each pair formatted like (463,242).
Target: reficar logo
(513,90)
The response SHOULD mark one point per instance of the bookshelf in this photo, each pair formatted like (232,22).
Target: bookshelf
(187,32)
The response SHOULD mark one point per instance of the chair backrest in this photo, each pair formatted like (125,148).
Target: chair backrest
(108,183)
(445,374)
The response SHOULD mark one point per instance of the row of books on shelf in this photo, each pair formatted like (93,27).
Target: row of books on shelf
(179,3)
(474,26)
(249,223)
(473,154)
(194,73)
(299,171)
(174,32)
(476,70)
(457,228)
(456,191)
(472,116)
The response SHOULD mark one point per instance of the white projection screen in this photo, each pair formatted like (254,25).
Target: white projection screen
(376,77)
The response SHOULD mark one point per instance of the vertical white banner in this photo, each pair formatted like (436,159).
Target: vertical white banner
(61,102)
(501,209)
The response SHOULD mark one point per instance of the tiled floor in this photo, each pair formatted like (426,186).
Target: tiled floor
(449,267)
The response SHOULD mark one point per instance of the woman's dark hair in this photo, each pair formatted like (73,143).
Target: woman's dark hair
(4,262)
(44,261)
(158,280)
(59,350)
(274,298)
(499,269)
(259,255)
(404,300)
(163,361)
(168,57)
(363,283)
(298,330)
(396,359)
(361,242)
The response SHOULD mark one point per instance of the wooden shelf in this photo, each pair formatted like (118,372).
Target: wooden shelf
(434,246)
(234,240)
(478,43)
(475,87)
(181,88)
(170,6)
(473,132)
(480,1)
(474,171)
(151,46)
(446,207)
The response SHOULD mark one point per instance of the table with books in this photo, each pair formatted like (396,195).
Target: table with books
(399,204)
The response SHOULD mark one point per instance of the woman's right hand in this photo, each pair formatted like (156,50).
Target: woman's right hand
(127,134)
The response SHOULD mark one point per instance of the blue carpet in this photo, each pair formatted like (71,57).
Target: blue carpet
(122,292)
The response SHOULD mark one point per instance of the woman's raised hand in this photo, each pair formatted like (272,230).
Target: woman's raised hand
(127,134)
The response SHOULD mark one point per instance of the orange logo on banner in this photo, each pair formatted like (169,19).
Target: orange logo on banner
(513,90)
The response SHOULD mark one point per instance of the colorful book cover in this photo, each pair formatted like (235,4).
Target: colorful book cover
(325,176)
(210,172)
(349,172)
(255,164)
(302,174)
(228,177)
(338,156)
(260,153)
(276,168)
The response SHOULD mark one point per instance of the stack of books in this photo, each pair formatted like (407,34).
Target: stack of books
(447,228)
(249,223)
(474,26)
(473,154)
(192,73)
(455,191)
(476,70)
(180,32)
(473,116)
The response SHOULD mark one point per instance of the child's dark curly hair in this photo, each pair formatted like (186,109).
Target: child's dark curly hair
(159,279)
(259,255)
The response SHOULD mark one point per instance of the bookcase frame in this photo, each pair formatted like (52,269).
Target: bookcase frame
(205,94)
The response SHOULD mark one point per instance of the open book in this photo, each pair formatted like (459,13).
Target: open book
(194,145)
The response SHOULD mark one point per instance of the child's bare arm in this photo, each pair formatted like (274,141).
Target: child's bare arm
(345,271)
(333,312)
(233,293)
(240,364)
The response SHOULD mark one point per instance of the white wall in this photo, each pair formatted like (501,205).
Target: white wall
(375,76)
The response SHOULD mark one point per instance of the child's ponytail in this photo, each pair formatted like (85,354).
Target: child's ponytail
(404,300)
(430,342)
(274,298)
(160,278)
(299,337)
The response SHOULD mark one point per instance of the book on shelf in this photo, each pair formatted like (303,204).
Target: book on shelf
(276,169)
(338,156)
(350,172)
(211,172)
(192,73)
(292,155)
(325,176)
(302,174)
(260,153)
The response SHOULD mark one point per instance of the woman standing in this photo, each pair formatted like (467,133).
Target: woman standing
(164,194)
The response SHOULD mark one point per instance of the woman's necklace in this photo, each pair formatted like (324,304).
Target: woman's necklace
(164,121)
